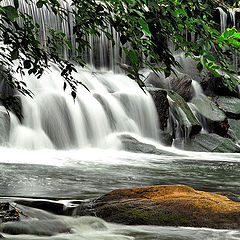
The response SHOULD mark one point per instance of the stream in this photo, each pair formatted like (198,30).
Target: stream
(70,175)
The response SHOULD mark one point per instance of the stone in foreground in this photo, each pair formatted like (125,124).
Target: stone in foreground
(167,205)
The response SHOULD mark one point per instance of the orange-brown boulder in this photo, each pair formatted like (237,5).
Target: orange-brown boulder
(172,205)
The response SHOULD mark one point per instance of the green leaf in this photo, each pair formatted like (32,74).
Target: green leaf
(199,67)
(133,56)
(144,27)
(209,57)
(11,12)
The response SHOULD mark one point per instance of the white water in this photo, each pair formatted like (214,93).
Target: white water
(114,104)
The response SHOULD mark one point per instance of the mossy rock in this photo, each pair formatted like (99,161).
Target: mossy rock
(208,143)
(234,129)
(168,205)
(208,109)
(230,105)
(183,113)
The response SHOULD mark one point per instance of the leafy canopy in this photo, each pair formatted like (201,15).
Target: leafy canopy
(147,25)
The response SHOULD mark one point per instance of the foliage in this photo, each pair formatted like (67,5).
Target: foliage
(147,25)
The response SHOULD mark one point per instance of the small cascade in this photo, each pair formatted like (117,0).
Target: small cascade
(101,54)
(223,19)
(229,20)
(198,93)
(52,119)
(197,89)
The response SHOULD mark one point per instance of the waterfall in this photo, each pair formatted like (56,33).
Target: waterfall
(223,19)
(113,105)
(101,54)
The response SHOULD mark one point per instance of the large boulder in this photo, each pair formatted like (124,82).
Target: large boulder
(234,129)
(131,144)
(167,205)
(184,116)
(214,86)
(208,143)
(230,105)
(214,119)
(161,102)
(180,83)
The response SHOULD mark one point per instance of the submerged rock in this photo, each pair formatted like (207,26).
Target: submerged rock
(131,144)
(208,143)
(168,205)
(36,227)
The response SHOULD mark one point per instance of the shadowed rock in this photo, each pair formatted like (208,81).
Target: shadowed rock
(161,102)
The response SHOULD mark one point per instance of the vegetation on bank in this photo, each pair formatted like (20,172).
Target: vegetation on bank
(146,26)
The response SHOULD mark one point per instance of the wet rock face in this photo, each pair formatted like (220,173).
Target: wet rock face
(168,205)
(182,85)
(4,125)
(208,143)
(161,102)
(40,228)
(187,121)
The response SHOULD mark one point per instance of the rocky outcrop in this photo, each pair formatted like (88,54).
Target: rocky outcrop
(178,82)
(167,205)
(213,118)
(164,205)
(161,102)
(230,105)
(208,143)
(182,85)
(184,115)
(217,86)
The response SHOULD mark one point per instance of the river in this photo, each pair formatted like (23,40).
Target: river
(88,173)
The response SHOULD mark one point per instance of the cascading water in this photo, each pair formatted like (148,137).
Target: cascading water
(113,104)
(101,54)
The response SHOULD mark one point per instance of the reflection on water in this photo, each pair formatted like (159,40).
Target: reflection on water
(84,174)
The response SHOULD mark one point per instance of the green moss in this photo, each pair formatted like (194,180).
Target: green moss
(156,218)
(136,216)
